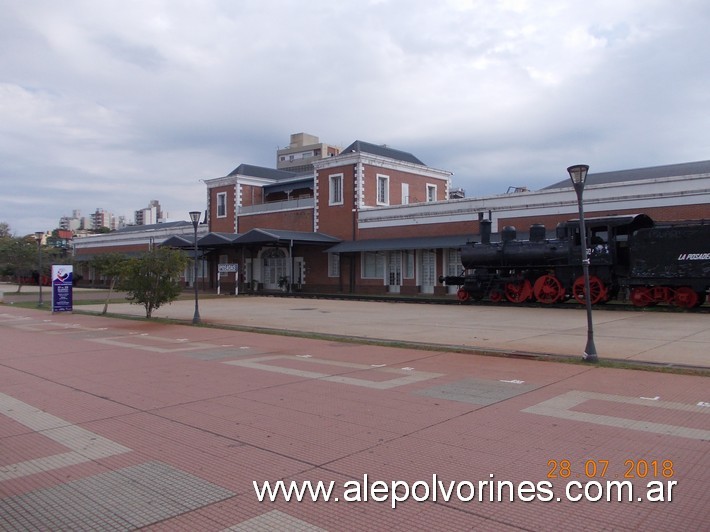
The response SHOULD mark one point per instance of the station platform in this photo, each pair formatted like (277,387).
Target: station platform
(680,339)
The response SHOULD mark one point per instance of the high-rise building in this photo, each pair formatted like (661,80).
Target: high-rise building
(101,218)
(302,151)
(150,215)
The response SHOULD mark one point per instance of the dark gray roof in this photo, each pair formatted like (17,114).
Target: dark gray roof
(382,151)
(390,244)
(217,239)
(178,241)
(261,171)
(636,174)
(263,236)
(153,227)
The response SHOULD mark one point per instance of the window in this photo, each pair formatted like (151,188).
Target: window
(373,265)
(221,205)
(333,264)
(336,189)
(408,264)
(383,190)
(431,192)
(405,193)
(453,259)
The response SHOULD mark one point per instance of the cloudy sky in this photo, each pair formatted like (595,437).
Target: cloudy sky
(110,104)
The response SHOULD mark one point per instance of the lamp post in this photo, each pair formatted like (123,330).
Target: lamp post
(38,237)
(195,217)
(578,175)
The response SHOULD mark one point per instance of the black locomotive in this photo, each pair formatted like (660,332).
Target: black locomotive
(630,257)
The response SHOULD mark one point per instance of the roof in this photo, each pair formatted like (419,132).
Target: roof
(264,236)
(382,151)
(261,171)
(153,227)
(217,239)
(635,220)
(390,244)
(177,241)
(637,174)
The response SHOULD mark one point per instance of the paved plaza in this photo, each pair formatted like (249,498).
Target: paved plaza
(120,424)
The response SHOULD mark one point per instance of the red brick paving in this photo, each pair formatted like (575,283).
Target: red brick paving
(231,425)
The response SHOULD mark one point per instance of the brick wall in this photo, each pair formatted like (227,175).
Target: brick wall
(292,220)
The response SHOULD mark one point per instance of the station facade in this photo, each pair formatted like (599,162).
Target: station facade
(372,219)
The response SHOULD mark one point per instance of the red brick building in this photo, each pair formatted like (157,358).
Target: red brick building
(373,219)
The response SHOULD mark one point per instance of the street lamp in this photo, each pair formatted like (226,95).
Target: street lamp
(578,175)
(195,217)
(38,237)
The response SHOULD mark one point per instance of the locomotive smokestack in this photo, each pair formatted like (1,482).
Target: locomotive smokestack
(485,229)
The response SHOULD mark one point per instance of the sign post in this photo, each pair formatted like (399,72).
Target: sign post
(228,268)
(62,285)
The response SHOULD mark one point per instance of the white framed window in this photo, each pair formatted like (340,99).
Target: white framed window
(335,190)
(221,205)
(383,189)
(333,264)
(405,193)
(408,264)
(453,262)
(373,265)
(431,192)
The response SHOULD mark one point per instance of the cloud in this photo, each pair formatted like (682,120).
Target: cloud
(111,104)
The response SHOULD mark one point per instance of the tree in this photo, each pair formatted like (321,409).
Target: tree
(18,258)
(5,230)
(111,266)
(154,278)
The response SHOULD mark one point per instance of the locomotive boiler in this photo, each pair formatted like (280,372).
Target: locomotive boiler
(629,256)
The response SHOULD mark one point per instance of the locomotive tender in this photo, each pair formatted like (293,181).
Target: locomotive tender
(630,257)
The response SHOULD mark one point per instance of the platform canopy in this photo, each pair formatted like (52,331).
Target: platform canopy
(394,244)
(279,236)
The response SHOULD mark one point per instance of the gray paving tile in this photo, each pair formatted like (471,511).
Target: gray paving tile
(118,500)
(477,391)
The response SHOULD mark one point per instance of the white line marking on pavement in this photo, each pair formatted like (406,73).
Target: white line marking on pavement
(562,405)
(84,445)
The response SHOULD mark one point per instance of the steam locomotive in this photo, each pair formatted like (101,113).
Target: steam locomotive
(629,257)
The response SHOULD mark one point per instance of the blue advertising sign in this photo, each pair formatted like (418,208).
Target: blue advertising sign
(62,277)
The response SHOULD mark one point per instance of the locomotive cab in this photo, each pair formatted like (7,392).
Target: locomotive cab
(607,238)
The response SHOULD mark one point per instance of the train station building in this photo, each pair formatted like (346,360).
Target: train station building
(372,219)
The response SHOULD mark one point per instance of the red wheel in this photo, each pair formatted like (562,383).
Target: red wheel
(548,289)
(496,296)
(596,287)
(463,295)
(685,297)
(518,292)
(641,296)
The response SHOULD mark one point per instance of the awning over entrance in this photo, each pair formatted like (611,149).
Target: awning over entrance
(177,241)
(278,236)
(393,244)
(217,239)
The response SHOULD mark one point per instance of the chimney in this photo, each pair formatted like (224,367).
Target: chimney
(485,229)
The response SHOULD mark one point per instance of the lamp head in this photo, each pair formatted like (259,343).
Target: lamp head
(39,235)
(195,217)
(578,173)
